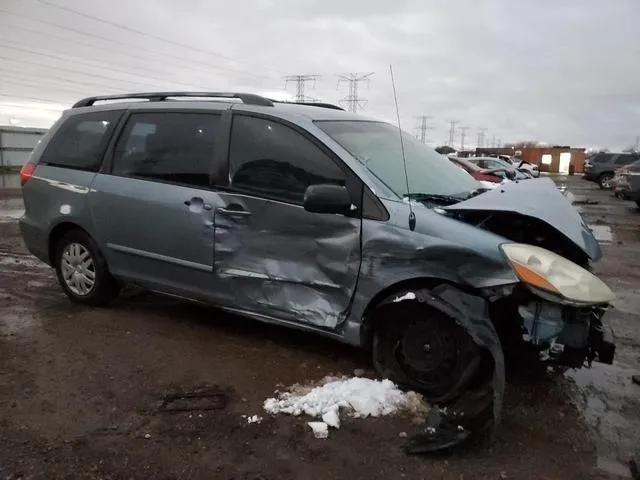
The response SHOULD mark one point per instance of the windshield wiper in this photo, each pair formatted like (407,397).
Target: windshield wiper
(434,198)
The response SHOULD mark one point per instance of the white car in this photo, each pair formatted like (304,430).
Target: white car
(529,167)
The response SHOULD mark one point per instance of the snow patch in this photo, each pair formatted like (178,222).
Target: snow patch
(254,419)
(602,233)
(358,397)
(320,429)
(489,185)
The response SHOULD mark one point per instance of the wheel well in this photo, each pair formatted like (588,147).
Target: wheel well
(57,233)
(370,319)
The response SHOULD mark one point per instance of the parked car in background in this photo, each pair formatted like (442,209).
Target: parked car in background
(310,217)
(601,167)
(625,179)
(530,168)
(483,175)
(491,163)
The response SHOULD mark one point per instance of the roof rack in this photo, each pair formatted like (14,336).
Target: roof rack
(313,104)
(248,98)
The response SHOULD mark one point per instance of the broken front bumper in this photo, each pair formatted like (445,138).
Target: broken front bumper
(566,335)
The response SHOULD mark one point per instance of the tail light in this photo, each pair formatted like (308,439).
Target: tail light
(26,172)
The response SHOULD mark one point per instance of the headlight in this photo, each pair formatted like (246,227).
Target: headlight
(554,274)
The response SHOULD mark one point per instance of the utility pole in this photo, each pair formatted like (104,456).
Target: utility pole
(463,134)
(352,100)
(481,134)
(636,147)
(423,128)
(452,131)
(301,81)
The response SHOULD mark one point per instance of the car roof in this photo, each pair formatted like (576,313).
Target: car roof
(312,112)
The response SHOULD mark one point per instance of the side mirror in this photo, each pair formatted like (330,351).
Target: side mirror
(327,198)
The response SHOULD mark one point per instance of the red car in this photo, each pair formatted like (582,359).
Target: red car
(496,175)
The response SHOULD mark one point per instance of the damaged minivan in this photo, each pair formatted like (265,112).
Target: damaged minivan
(310,217)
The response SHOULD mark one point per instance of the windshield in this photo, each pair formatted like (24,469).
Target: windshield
(376,145)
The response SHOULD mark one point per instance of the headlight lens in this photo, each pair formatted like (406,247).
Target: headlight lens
(548,271)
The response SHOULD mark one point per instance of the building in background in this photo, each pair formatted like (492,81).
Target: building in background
(556,159)
(16,144)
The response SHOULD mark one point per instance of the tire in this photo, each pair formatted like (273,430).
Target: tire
(604,180)
(638,203)
(443,371)
(82,270)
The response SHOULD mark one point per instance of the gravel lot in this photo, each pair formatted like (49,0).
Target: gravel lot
(81,389)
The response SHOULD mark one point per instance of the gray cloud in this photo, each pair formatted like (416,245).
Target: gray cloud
(561,72)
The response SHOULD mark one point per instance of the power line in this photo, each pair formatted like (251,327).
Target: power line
(423,128)
(79,72)
(164,55)
(301,81)
(70,85)
(140,32)
(463,133)
(91,64)
(145,58)
(452,131)
(37,99)
(481,135)
(352,100)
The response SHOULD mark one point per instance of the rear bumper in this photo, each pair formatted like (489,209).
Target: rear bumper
(35,240)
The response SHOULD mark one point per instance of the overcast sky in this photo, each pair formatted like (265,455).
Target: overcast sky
(559,71)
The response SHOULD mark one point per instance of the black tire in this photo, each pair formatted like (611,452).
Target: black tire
(441,373)
(604,180)
(638,203)
(104,288)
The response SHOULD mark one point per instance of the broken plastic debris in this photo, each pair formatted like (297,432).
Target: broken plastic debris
(147,436)
(406,296)
(331,418)
(320,429)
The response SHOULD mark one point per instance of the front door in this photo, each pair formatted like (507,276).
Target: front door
(272,257)
(153,209)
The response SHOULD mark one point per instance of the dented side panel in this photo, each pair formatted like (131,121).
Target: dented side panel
(439,248)
(280,261)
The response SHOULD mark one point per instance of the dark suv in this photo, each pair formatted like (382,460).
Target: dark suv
(314,218)
(601,167)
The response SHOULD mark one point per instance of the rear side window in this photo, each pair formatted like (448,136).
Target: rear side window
(168,147)
(624,159)
(271,160)
(81,141)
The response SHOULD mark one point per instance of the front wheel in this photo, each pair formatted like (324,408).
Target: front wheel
(82,271)
(605,180)
(422,349)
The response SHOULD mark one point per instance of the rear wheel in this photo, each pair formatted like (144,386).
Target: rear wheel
(604,180)
(422,349)
(82,271)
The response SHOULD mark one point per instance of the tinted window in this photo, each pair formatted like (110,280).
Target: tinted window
(272,160)
(81,141)
(168,147)
(624,159)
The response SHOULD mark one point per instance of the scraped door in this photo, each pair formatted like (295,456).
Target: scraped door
(272,257)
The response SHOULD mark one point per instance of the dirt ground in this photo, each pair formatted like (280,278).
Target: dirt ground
(81,389)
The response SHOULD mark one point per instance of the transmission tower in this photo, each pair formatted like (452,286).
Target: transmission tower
(493,142)
(352,100)
(423,128)
(499,145)
(481,134)
(301,81)
(452,132)
(463,134)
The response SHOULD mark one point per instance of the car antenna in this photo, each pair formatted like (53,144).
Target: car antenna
(412,216)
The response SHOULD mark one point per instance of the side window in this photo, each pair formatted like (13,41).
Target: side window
(81,141)
(271,160)
(623,159)
(167,147)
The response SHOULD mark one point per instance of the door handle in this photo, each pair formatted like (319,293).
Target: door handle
(232,212)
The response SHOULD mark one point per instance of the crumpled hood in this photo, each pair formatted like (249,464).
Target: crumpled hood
(541,199)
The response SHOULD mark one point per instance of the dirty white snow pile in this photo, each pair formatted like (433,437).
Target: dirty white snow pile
(357,397)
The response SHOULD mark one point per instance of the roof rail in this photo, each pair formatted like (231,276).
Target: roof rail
(312,104)
(248,98)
